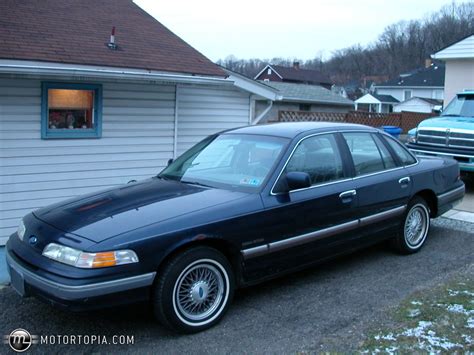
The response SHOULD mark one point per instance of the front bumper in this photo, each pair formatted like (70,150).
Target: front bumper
(26,282)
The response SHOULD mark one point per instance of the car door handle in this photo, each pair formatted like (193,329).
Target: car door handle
(404,181)
(346,195)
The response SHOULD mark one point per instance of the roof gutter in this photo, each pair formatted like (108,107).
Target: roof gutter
(295,99)
(58,69)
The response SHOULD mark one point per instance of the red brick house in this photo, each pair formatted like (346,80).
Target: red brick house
(293,75)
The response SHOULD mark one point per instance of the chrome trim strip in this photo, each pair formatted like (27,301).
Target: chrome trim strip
(381,216)
(461,190)
(441,129)
(68,292)
(431,153)
(320,234)
(312,236)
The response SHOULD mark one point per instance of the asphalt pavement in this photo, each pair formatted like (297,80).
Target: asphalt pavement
(327,308)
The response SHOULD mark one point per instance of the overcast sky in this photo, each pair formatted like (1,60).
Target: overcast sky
(290,28)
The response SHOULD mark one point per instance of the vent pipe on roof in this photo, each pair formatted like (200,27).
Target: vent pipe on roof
(111,43)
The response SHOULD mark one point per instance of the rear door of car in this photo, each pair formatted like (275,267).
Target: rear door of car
(382,184)
(312,223)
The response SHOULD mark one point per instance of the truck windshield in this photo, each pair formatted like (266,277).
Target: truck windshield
(462,105)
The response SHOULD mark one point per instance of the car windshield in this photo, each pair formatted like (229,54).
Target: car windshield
(233,161)
(462,105)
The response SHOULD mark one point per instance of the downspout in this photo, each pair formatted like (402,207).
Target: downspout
(175,140)
(259,117)
(252,108)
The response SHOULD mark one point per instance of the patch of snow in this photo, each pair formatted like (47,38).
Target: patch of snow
(412,313)
(453,292)
(418,331)
(416,303)
(470,322)
(430,337)
(391,350)
(458,308)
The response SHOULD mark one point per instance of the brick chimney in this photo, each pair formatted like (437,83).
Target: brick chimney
(296,65)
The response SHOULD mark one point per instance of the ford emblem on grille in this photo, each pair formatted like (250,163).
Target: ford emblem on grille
(33,240)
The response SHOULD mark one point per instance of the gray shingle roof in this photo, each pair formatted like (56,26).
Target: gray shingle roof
(431,76)
(385,98)
(307,93)
(302,75)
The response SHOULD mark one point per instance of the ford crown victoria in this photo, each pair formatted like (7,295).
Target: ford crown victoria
(240,207)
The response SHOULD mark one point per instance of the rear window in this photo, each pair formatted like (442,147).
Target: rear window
(403,154)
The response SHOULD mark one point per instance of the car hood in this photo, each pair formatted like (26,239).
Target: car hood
(452,122)
(115,211)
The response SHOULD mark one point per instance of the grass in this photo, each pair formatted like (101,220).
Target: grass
(439,320)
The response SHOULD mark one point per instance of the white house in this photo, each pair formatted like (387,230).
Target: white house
(459,58)
(81,110)
(419,104)
(427,82)
(375,103)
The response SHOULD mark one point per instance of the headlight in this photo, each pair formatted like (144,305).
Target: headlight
(411,139)
(77,258)
(21,230)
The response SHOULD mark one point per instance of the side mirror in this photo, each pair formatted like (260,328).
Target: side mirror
(170,161)
(297,180)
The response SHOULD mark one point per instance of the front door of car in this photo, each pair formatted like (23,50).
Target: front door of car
(382,184)
(310,223)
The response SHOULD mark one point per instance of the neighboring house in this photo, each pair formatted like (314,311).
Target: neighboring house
(293,74)
(419,104)
(459,58)
(427,83)
(339,90)
(375,103)
(81,110)
(301,97)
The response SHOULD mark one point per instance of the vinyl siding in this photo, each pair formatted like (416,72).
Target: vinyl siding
(204,110)
(137,140)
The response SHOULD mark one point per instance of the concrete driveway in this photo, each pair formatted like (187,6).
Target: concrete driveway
(465,210)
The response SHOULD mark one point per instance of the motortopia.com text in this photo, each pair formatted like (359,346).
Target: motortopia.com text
(58,339)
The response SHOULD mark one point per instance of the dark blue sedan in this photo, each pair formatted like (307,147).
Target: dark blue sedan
(240,207)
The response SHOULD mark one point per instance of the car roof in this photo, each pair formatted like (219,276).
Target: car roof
(293,129)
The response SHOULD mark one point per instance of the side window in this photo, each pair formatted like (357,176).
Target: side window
(405,157)
(368,156)
(319,157)
(387,158)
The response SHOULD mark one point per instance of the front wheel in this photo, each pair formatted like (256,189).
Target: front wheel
(414,228)
(194,290)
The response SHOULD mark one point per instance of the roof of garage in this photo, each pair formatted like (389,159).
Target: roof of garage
(77,32)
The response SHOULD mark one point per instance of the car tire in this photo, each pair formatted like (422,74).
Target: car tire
(194,290)
(414,228)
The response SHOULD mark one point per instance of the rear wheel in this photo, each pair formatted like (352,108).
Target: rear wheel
(194,290)
(414,229)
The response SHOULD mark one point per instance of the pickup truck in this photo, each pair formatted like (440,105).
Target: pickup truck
(449,135)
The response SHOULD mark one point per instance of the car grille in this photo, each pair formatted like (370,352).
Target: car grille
(446,138)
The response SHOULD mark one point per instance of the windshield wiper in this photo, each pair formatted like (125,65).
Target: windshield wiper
(195,183)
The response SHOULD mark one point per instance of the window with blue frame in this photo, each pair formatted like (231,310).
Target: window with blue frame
(70,110)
